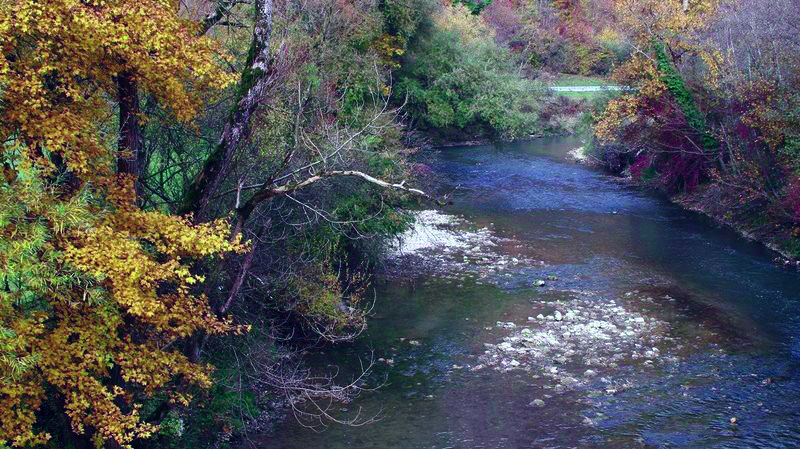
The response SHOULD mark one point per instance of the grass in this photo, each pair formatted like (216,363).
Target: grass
(565,80)
(580,95)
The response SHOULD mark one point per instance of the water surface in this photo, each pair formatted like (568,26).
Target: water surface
(724,323)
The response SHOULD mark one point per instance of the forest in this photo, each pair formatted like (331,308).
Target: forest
(198,193)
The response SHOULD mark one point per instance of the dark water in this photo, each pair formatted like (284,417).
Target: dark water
(733,324)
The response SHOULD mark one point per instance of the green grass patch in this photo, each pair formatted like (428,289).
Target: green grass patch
(580,95)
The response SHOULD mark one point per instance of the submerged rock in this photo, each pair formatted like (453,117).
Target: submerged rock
(592,332)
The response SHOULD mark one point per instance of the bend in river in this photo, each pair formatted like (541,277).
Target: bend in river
(555,307)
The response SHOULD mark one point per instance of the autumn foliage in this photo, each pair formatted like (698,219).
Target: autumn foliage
(711,109)
(95,294)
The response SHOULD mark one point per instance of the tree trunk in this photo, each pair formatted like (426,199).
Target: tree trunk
(129,145)
(252,87)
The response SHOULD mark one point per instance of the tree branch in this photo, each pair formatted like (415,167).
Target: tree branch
(243,212)
(214,18)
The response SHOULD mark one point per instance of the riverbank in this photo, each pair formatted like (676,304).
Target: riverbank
(721,205)
(718,205)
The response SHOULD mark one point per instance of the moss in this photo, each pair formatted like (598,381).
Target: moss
(249,78)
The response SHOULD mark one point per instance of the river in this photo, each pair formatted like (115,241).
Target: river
(552,306)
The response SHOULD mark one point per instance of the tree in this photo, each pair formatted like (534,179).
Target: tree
(661,120)
(105,303)
(94,292)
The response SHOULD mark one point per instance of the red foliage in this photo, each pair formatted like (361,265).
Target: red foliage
(503,17)
(682,171)
(642,163)
(792,200)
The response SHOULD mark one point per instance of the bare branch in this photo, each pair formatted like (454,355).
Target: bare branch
(222,9)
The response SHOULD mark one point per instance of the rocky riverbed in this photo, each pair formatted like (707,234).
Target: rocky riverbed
(571,340)
(449,247)
(553,306)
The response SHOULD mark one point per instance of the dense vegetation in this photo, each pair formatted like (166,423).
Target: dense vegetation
(194,190)
(713,110)
(183,178)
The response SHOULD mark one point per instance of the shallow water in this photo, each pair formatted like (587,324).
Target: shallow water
(669,325)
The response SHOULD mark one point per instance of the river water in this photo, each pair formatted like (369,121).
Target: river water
(553,306)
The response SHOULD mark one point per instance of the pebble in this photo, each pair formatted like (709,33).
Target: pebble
(536,403)
(582,333)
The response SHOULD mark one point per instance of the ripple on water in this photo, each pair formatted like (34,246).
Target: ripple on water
(654,331)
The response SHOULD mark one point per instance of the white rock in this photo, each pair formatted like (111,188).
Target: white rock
(558,316)
(536,403)
(505,346)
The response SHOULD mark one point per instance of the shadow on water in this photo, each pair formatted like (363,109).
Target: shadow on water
(728,324)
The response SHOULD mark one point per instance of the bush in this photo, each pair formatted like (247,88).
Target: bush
(456,78)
